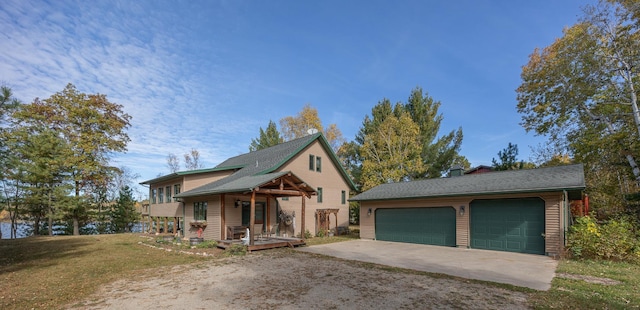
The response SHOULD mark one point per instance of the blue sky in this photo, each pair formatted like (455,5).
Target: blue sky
(209,74)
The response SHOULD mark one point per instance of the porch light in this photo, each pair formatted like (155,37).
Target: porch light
(461,210)
(238,203)
(369,212)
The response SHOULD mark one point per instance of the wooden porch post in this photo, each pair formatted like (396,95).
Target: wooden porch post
(268,221)
(223,233)
(175,225)
(166,225)
(302,230)
(157,225)
(252,218)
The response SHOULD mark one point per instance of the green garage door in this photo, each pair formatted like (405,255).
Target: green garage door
(513,225)
(435,226)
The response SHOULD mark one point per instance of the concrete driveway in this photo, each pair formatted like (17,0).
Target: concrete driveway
(532,271)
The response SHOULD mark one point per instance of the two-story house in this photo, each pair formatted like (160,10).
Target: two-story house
(286,189)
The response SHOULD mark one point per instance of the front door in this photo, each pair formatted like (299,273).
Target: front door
(260,213)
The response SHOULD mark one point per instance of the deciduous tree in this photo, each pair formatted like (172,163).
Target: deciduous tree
(588,80)
(392,151)
(307,121)
(173,163)
(192,160)
(94,128)
(436,154)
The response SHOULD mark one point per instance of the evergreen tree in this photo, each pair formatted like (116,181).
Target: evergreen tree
(267,138)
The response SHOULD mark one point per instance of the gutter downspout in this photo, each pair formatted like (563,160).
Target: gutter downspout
(567,214)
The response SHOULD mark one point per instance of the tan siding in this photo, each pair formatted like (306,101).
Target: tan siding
(554,230)
(192,181)
(329,179)
(212,231)
(165,209)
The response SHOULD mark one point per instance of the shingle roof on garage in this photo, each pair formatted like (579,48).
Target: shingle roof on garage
(570,177)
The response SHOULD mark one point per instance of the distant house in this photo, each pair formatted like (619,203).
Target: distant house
(289,188)
(523,211)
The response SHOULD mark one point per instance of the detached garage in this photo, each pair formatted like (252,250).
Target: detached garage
(524,211)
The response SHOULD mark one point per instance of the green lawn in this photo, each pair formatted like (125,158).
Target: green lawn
(580,294)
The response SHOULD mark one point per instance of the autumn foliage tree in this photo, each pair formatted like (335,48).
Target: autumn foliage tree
(582,92)
(417,153)
(93,128)
(297,126)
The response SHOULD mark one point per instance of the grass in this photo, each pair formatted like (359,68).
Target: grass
(50,272)
(579,294)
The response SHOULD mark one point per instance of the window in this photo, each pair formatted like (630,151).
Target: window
(200,211)
(168,193)
(318,164)
(319,194)
(344,197)
(176,191)
(312,162)
(153,195)
(160,195)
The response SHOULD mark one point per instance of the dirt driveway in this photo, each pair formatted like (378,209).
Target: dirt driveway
(286,279)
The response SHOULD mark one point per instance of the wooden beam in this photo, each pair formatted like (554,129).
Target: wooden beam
(268,221)
(297,187)
(223,225)
(285,192)
(302,221)
(252,219)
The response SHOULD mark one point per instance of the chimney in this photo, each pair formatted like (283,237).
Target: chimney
(456,171)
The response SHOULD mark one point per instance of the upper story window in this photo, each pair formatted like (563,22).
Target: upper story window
(153,195)
(318,164)
(312,162)
(176,191)
(160,195)
(343,198)
(168,193)
(200,211)
(319,194)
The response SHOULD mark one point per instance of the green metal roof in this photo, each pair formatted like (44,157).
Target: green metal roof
(570,177)
(262,162)
(187,172)
(242,184)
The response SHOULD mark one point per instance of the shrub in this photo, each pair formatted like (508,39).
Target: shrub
(615,239)
(236,250)
(207,244)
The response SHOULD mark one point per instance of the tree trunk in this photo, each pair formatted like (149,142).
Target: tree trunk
(76,226)
(50,217)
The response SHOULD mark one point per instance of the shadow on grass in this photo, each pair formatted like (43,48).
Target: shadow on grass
(18,254)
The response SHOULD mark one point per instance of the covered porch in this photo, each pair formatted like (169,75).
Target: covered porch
(248,210)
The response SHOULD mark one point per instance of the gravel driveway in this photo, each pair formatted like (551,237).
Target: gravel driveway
(285,279)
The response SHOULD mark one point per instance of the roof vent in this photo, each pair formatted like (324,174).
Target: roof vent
(256,163)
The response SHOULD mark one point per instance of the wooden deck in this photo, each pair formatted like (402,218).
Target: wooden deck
(264,243)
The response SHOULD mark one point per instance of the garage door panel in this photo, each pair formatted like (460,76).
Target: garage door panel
(434,226)
(514,225)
